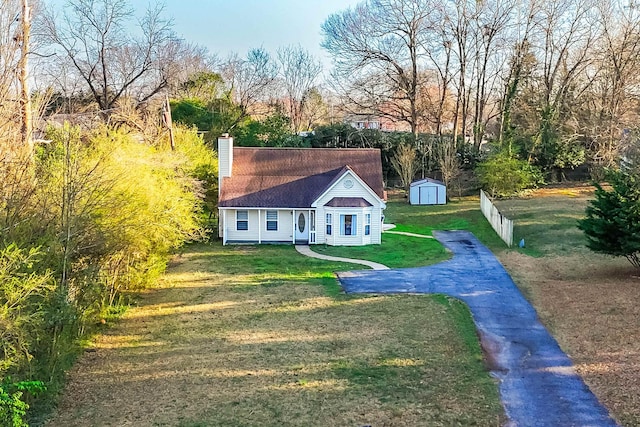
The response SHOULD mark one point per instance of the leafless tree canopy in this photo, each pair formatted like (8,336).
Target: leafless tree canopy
(556,71)
(299,72)
(379,48)
(9,49)
(405,163)
(250,79)
(92,42)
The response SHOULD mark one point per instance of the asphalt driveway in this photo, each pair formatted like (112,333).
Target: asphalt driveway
(538,384)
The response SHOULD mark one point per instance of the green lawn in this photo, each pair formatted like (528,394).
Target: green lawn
(247,335)
(548,224)
(398,251)
(459,214)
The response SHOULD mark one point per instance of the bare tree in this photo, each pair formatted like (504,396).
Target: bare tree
(458,19)
(17,185)
(315,109)
(25,96)
(93,37)
(10,36)
(405,163)
(447,159)
(299,72)
(381,41)
(517,68)
(563,45)
(494,18)
(251,81)
(617,74)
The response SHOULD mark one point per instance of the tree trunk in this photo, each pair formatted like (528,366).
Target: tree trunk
(25,97)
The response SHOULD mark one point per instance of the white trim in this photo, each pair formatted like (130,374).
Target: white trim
(243,208)
(293,224)
(367,223)
(259,226)
(328,215)
(224,227)
(312,226)
(354,175)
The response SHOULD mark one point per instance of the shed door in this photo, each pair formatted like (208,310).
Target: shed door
(428,195)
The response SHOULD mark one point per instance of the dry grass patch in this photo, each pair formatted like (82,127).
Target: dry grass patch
(262,336)
(590,302)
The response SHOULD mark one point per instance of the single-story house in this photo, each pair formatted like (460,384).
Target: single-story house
(427,192)
(299,195)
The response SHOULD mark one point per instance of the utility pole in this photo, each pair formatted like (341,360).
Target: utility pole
(166,116)
(25,97)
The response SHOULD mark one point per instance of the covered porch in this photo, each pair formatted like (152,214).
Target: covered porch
(268,225)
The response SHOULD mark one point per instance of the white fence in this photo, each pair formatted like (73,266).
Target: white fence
(500,223)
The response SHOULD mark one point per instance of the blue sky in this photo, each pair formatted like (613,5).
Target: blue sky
(225,26)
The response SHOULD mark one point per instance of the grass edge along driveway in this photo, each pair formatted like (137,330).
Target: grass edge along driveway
(251,335)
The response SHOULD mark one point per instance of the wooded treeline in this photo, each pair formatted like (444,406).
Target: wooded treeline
(536,87)
(551,84)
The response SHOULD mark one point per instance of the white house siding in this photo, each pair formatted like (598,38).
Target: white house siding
(225,158)
(285,227)
(358,190)
(258,228)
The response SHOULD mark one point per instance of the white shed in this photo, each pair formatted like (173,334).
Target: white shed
(427,192)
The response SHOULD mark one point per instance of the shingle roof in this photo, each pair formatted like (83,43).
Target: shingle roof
(294,177)
(348,202)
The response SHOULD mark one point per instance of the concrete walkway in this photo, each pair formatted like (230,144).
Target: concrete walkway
(538,383)
(306,251)
(404,233)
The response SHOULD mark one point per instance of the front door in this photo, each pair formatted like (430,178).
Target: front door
(302,227)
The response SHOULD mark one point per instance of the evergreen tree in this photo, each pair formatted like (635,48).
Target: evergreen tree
(612,223)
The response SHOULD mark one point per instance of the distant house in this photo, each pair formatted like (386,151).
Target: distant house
(363,121)
(373,121)
(299,195)
(427,192)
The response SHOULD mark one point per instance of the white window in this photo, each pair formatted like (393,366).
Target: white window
(242,220)
(272,220)
(367,224)
(328,221)
(348,225)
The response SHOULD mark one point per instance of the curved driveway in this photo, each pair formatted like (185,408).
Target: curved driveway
(538,383)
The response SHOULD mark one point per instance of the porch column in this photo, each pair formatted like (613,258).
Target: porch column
(293,223)
(259,226)
(224,227)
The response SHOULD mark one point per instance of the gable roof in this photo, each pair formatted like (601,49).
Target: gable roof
(294,177)
(425,180)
